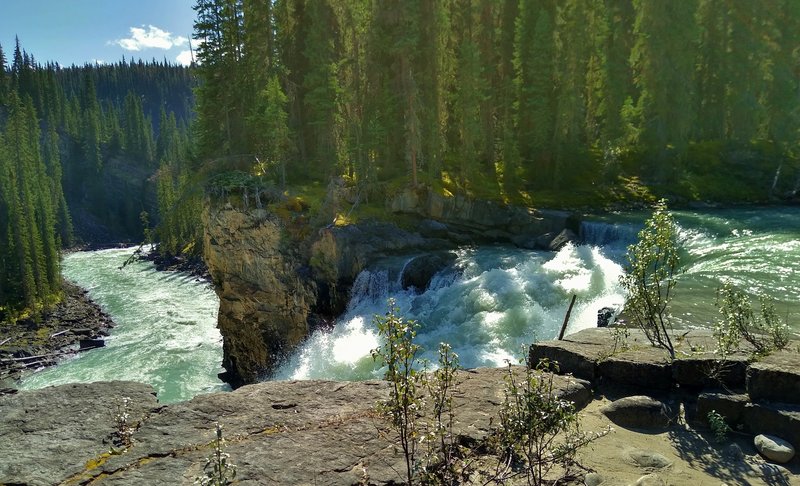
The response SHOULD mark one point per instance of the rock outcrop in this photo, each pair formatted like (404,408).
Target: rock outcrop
(266,295)
(471,220)
(306,432)
(755,396)
(276,278)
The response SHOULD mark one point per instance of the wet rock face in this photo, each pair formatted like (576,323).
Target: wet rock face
(265,300)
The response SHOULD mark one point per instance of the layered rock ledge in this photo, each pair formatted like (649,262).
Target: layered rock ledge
(306,432)
(753,395)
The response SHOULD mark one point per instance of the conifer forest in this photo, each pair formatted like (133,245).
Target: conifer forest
(559,103)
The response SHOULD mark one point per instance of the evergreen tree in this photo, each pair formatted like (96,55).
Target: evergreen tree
(663,60)
(534,54)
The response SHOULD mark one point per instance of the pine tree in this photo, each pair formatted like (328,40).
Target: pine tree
(321,98)
(663,60)
(534,53)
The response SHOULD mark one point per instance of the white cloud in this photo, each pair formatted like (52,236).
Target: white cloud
(184,58)
(152,37)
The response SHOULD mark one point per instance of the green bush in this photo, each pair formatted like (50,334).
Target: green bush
(650,277)
(537,429)
(399,355)
(765,332)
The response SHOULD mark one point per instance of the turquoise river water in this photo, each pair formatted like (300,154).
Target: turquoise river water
(489,306)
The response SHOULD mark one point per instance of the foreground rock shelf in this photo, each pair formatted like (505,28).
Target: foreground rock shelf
(306,432)
(754,396)
(328,433)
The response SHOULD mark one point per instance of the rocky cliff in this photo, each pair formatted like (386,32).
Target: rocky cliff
(265,294)
(276,275)
(330,433)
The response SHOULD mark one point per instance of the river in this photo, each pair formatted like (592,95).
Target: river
(165,332)
(491,304)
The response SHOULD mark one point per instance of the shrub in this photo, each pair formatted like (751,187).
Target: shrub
(443,453)
(399,355)
(537,429)
(218,471)
(765,333)
(718,425)
(650,277)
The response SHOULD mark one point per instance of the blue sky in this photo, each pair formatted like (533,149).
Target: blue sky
(80,31)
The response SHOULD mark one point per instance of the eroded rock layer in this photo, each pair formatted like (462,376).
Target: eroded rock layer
(265,297)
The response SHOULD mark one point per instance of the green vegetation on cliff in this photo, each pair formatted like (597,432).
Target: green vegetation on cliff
(505,100)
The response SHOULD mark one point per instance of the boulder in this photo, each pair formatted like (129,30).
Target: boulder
(646,459)
(419,271)
(556,241)
(775,377)
(730,406)
(605,316)
(778,419)
(774,448)
(592,479)
(638,411)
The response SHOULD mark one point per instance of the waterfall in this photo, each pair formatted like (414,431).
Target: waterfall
(489,306)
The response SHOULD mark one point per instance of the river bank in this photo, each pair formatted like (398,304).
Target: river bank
(34,343)
(329,432)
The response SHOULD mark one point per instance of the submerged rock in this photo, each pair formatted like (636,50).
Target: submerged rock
(420,270)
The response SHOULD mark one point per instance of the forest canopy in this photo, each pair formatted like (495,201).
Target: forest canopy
(506,99)
(77,148)
(538,102)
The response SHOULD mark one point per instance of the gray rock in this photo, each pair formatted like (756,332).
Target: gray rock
(554,243)
(646,459)
(730,406)
(706,369)
(778,419)
(775,377)
(419,271)
(637,412)
(641,367)
(592,479)
(50,434)
(734,452)
(650,480)
(774,448)
(306,432)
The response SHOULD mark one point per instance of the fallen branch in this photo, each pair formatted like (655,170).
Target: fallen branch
(566,318)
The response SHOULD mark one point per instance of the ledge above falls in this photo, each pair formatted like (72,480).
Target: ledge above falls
(279,276)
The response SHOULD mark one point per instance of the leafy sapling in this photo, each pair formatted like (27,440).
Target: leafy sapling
(399,355)
(122,437)
(218,470)
(764,333)
(719,427)
(650,277)
(442,461)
